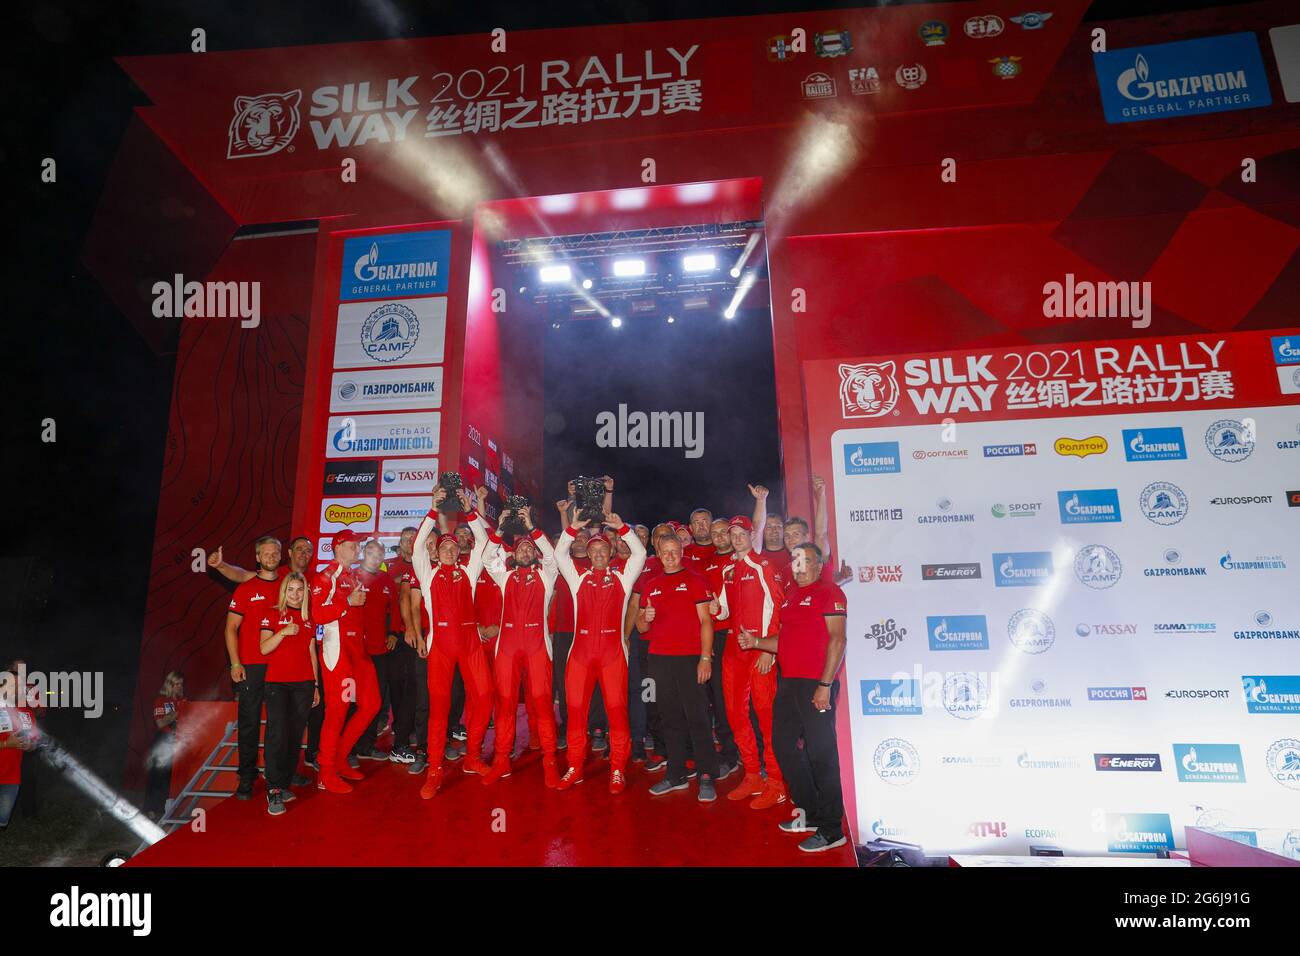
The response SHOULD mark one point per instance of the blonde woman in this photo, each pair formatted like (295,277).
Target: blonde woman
(288,640)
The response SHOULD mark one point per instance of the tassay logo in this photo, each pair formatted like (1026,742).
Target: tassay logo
(868,390)
(263,125)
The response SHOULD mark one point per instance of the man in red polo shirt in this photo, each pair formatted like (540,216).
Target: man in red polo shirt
(699,551)
(337,600)
(250,601)
(810,650)
(674,615)
(753,595)
(382,617)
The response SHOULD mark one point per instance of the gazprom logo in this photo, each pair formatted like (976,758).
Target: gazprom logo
(1209,763)
(872,458)
(1271,693)
(958,632)
(1089,506)
(886,696)
(1020,569)
(1286,350)
(1154,444)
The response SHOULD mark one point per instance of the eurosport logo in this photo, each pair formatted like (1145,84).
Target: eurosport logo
(363,436)
(1021,569)
(409,476)
(891,697)
(1209,763)
(1184,78)
(385,389)
(1117,693)
(1154,444)
(958,632)
(397,264)
(393,333)
(263,125)
(1163,503)
(876,514)
(1222,500)
(1197,693)
(1097,566)
(950,572)
(351,477)
(1031,631)
(1139,832)
(1271,693)
(1010,451)
(965,696)
(868,390)
(1149,763)
(872,458)
(1283,761)
(1286,351)
(896,761)
(1090,506)
(1230,440)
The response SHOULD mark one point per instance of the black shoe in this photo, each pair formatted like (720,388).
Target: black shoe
(274,803)
(288,796)
(374,753)
(419,765)
(818,843)
(561,739)
(299,780)
(655,762)
(725,770)
(245,791)
(638,755)
(459,733)
(312,762)
(401,755)
(599,742)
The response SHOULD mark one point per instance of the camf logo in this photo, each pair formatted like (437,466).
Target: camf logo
(263,124)
(868,390)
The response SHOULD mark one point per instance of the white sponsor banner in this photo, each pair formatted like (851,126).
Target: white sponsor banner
(1286,49)
(1026,629)
(401,476)
(372,436)
(1288,378)
(396,513)
(383,333)
(339,514)
(377,389)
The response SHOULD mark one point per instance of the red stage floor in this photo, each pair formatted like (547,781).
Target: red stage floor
(383,822)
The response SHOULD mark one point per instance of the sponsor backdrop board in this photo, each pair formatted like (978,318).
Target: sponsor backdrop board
(1078,630)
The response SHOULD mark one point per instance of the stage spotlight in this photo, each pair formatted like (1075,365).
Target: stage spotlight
(560,273)
(744,256)
(741,289)
(701,262)
(116,858)
(616,322)
(629,267)
(555,325)
(586,283)
(671,320)
(523,290)
(735,272)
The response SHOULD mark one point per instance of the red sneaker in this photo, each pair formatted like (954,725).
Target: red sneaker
(499,769)
(347,773)
(750,785)
(476,765)
(551,773)
(571,778)
(332,783)
(772,794)
(617,781)
(432,781)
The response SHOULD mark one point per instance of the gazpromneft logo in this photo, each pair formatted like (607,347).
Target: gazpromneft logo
(1081,447)
(1154,444)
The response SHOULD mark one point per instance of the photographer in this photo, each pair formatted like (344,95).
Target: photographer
(810,650)
(166,717)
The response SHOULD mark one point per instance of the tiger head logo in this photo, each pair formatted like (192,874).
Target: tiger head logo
(868,390)
(263,124)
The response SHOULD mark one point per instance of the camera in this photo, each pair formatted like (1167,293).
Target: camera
(511,521)
(451,481)
(589,498)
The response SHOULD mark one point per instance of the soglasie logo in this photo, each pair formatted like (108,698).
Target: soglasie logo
(263,124)
(624,429)
(868,390)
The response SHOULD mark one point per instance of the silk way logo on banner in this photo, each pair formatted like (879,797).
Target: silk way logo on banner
(263,125)
(868,390)
(1208,75)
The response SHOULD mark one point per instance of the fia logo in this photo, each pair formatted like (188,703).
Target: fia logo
(263,124)
(868,390)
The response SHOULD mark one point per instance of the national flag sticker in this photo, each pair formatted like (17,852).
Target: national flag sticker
(779,49)
(833,43)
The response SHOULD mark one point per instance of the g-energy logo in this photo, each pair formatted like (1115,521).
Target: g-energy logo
(77,909)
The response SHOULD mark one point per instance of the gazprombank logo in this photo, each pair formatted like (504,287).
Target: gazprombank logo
(263,124)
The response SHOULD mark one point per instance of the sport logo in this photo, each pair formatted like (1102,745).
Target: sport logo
(1097,566)
(263,124)
(868,390)
(1089,506)
(1163,503)
(1154,444)
(1031,631)
(1230,440)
